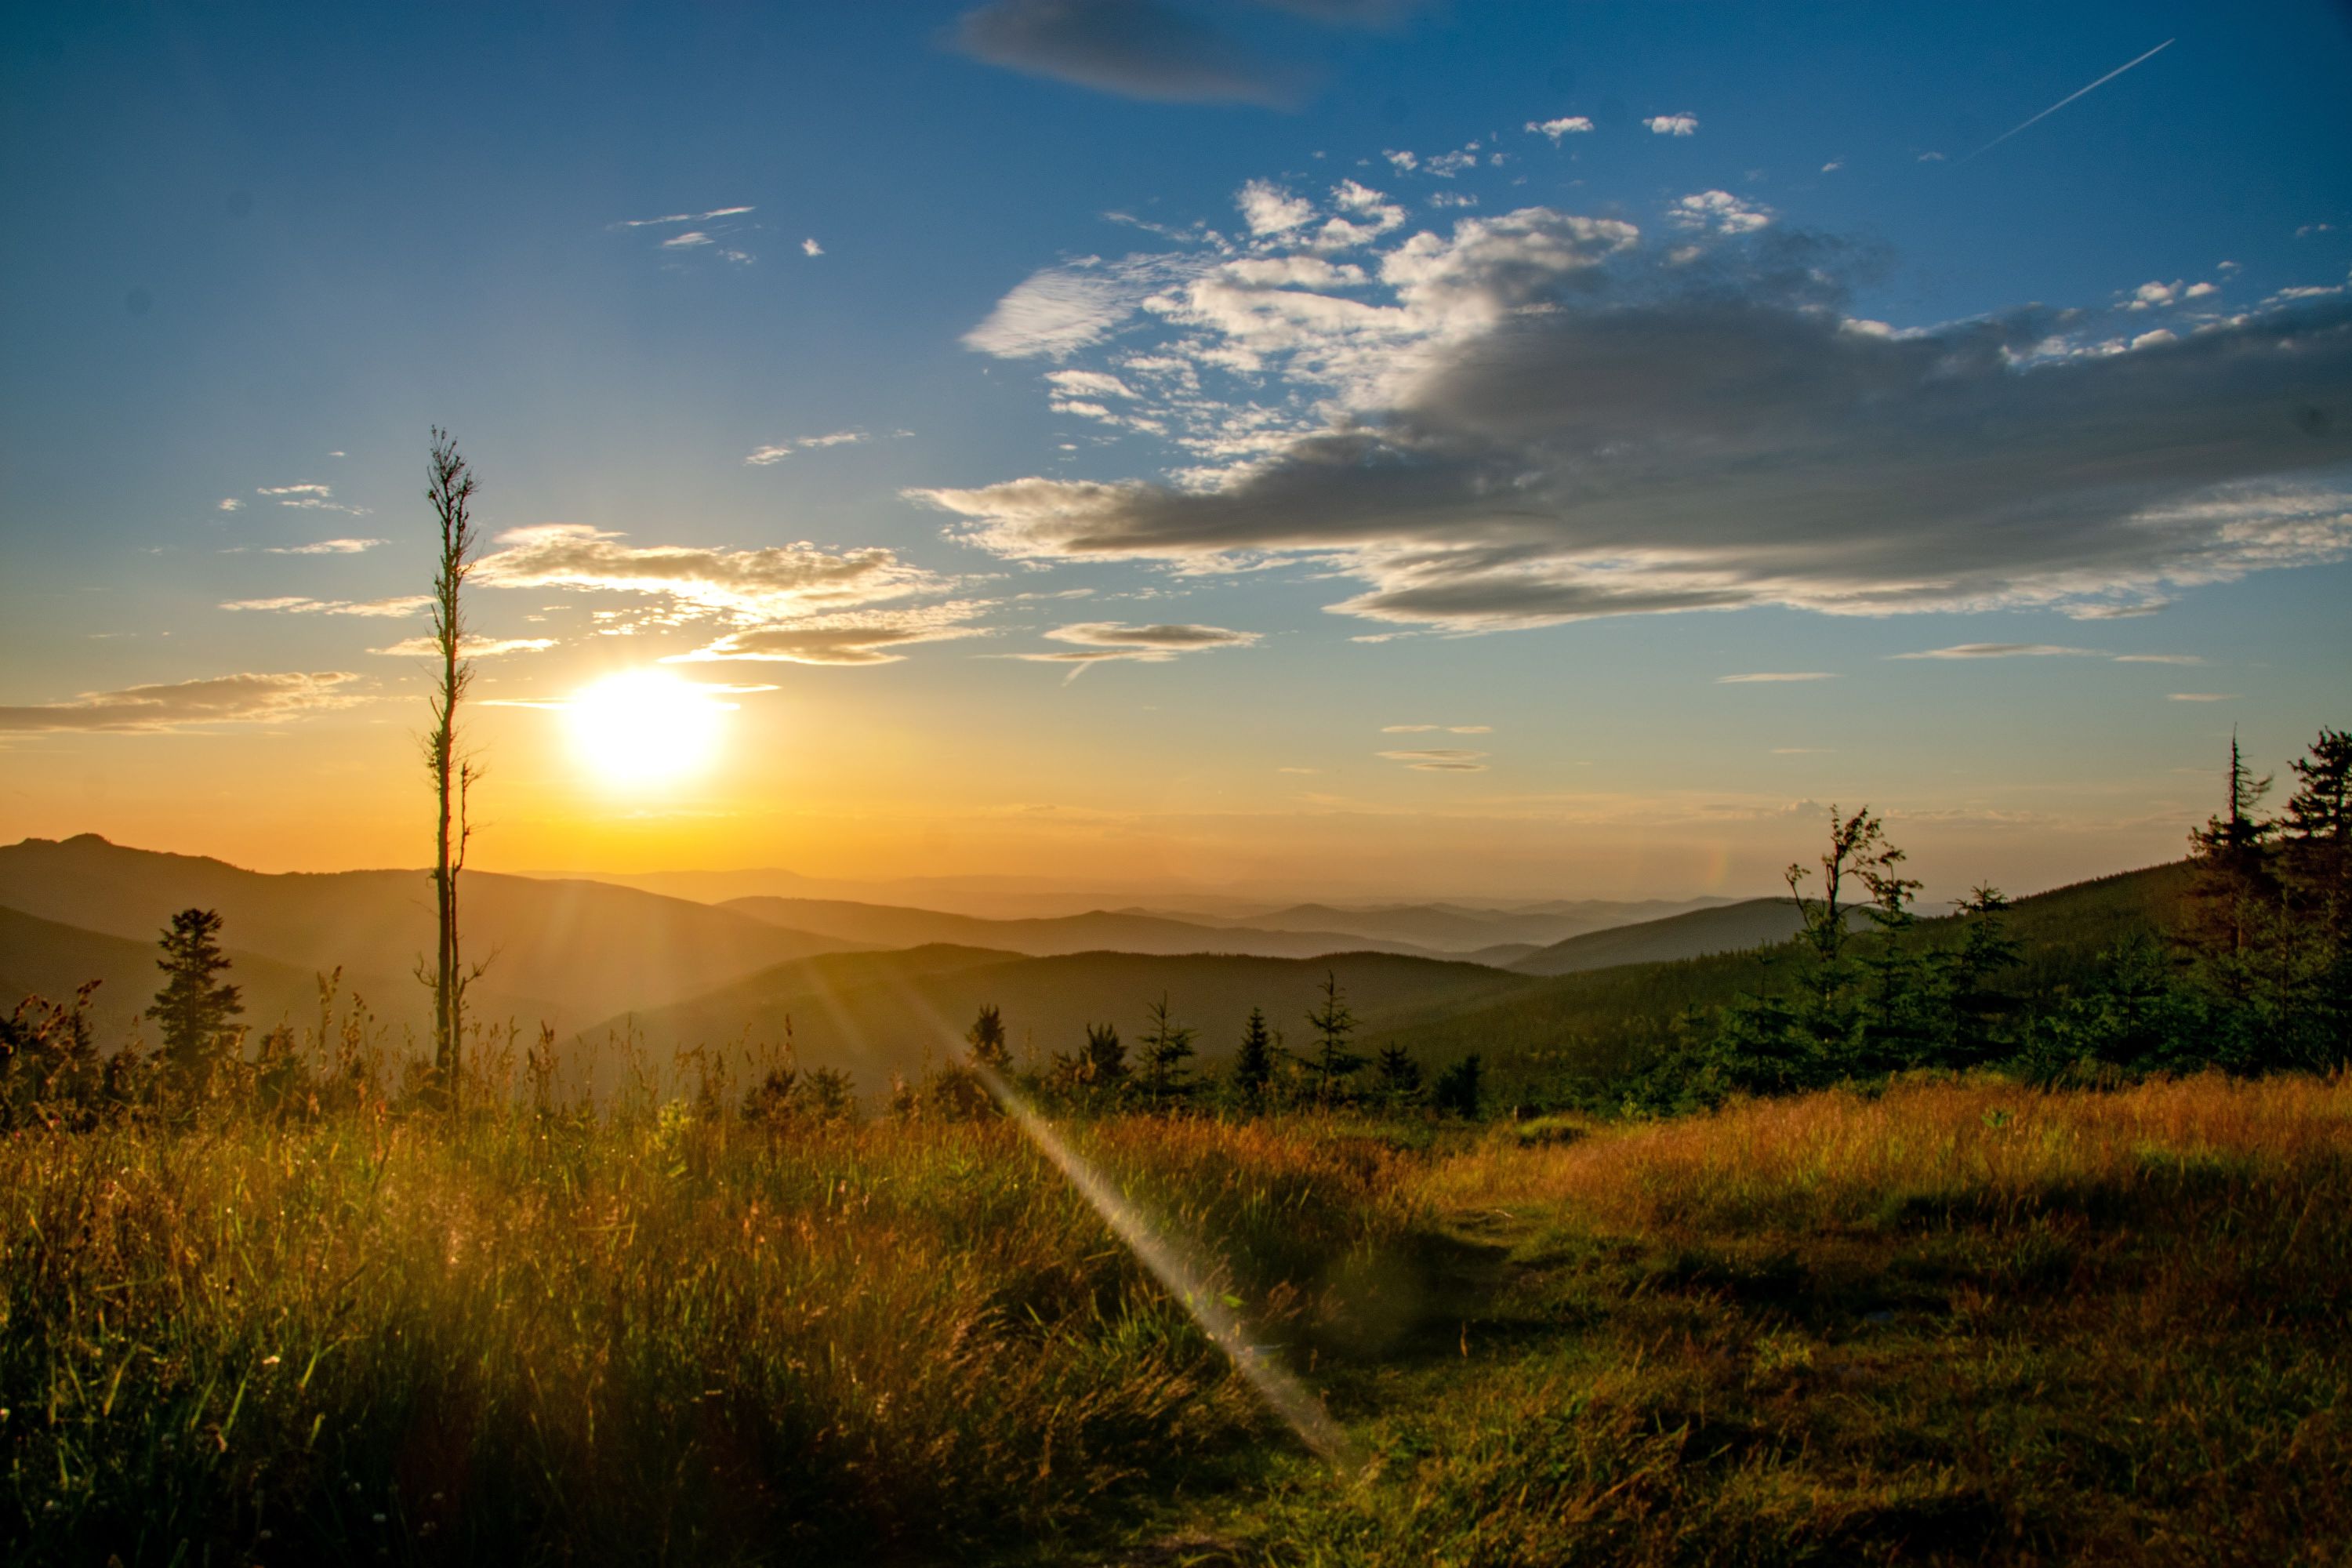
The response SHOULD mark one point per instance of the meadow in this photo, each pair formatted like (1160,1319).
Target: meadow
(1952,1319)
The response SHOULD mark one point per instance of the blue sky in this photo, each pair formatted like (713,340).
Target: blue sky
(1760,362)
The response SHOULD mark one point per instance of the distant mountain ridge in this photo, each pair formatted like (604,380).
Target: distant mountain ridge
(1097,931)
(567,952)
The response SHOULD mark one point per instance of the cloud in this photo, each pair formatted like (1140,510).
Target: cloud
(1440,760)
(1718,212)
(471,647)
(686,240)
(1151,641)
(256,699)
(295,605)
(810,248)
(230,504)
(1542,417)
(1764,677)
(1833,167)
(2158,658)
(2200,696)
(761,458)
(1673,124)
(325,547)
(1088,384)
(677,218)
(1568,125)
(307,497)
(856,637)
(783,582)
(2002,650)
(1054,312)
(1136,48)
(1428,728)
(1268,208)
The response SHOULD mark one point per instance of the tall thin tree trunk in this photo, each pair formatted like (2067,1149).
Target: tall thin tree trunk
(451,491)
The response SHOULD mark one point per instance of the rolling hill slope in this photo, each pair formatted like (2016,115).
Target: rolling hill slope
(1593,1021)
(879,1012)
(1100,931)
(585,950)
(1728,927)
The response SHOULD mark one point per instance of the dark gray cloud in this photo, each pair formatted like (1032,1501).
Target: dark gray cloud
(1551,422)
(251,698)
(1166,639)
(1139,48)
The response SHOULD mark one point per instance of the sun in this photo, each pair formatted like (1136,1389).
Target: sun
(646,726)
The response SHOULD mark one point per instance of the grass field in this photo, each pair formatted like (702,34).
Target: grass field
(1956,1322)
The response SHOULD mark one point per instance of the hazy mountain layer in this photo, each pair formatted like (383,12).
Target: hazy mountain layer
(1098,930)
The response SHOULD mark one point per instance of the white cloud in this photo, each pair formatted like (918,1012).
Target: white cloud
(1056,312)
(307,497)
(1087,383)
(810,248)
(685,241)
(1270,209)
(1673,124)
(255,699)
(683,217)
(2200,696)
(2158,658)
(230,504)
(1403,163)
(1718,212)
(1833,167)
(1764,676)
(1566,125)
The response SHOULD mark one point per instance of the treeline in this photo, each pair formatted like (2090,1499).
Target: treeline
(2256,977)
(1101,1075)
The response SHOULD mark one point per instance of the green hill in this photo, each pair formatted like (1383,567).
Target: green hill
(1598,1020)
(1097,931)
(879,1012)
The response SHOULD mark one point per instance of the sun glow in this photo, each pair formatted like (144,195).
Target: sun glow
(646,726)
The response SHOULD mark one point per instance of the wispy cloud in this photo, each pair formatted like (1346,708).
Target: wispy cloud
(783,582)
(2002,650)
(306,497)
(679,217)
(295,605)
(763,457)
(1431,729)
(230,504)
(1136,48)
(1106,642)
(2202,696)
(472,647)
(253,698)
(866,637)
(324,547)
(1765,677)
(1440,760)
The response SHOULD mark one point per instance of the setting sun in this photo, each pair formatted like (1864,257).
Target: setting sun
(644,726)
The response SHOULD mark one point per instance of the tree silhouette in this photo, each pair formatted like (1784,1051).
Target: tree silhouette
(2233,889)
(1164,1051)
(1400,1074)
(450,490)
(986,1038)
(1457,1087)
(1254,1061)
(193,1011)
(1332,1024)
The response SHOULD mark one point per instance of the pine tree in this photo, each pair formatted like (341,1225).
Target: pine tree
(1332,1024)
(1164,1051)
(1104,1065)
(1973,1008)
(2232,899)
(986,1038)
(2314,868)
(193,1011)
(1458,1088)
(1254,1061)
(1400,1074)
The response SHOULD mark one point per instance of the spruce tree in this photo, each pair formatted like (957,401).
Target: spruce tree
(1164,1051)
(1400,1074)
(1458,1088)
(193,1011)
(1253,1062)
(1332,1024)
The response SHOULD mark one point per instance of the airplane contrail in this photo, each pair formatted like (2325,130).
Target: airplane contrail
(2067,99)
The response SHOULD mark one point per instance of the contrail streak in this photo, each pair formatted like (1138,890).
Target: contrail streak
(2067,99)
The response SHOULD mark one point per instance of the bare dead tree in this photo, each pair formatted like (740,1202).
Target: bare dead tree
(450,490)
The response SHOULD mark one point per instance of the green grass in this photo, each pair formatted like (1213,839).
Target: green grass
(1963,1322)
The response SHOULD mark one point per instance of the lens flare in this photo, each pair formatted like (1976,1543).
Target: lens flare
(1289,1398)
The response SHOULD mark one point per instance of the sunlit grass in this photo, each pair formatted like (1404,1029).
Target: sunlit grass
(1950,1322)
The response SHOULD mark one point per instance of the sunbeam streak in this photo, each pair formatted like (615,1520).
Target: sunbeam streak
(1290,1399)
